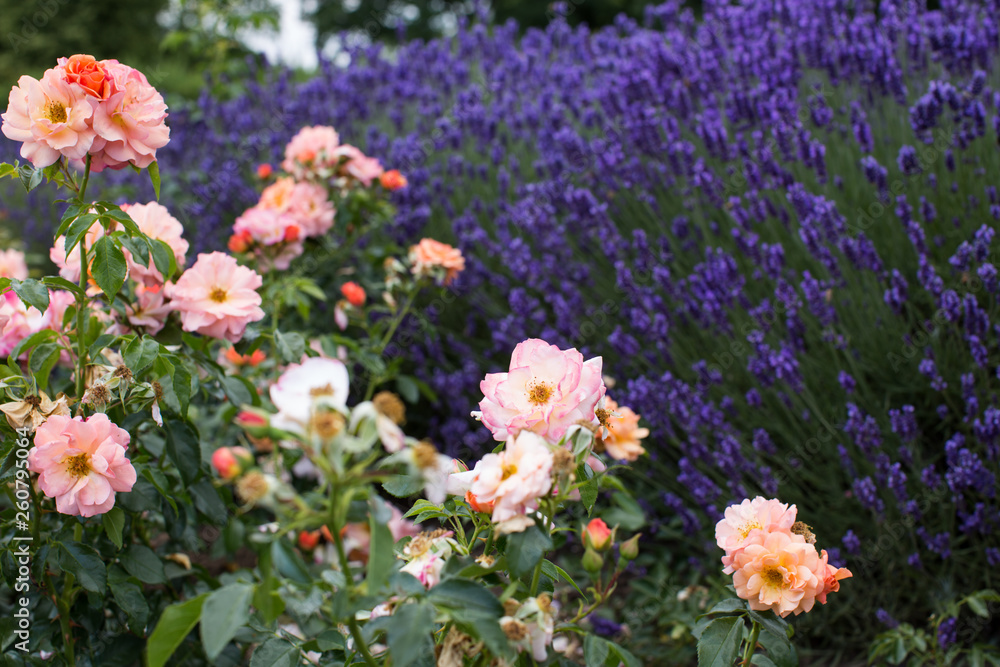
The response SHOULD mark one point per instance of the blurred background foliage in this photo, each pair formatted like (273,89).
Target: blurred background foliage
(177,43)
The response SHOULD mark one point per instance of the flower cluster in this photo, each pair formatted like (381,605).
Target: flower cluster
(84,108)
(772,558)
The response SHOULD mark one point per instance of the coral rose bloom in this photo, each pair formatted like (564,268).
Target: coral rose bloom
(89,74)
(50,117)
(429,255)
(130,125)
(515,478)
(312,152)
(778,574)
(830,577)
(306,203)
(624,434)
(217,297)
(155,221)
(749,522)
(545,391)
(81,463)
(12,264)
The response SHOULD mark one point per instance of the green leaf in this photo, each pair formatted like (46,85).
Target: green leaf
(139,250)
(31,341)
(409,635)
(183,449)
(552,571)
(275,652)
(291,346)
(140,354)
(225,611)
(176,623)
(408,388)
(131,599)
(31,292)
(381,557)
(467,595)
(598,651)
(86,564)
(182,388)
(76,231)
(114,521)
(7,169)
(267,601)
(163,257)
(728,607)
(109,268)
(779,649)
(154,177)
(776,625)
(31,178)
(720,642)
(142,563)
(525,549)
(288,563)
(762,661)
(977,606)
(41,362)
(236,391)
(207,500)
(61,283)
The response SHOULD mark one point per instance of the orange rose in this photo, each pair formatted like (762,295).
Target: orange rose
(354,293)
(89,74)
(393,180)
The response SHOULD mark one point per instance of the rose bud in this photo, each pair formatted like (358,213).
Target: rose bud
(308,539)
(629,549)
(597,535)
(592,561)
(354,293)
(393,180)
(225,463)
(264,171)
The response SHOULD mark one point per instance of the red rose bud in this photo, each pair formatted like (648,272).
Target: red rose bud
(629,549)
(264,171)
(393,180)
(597,535)
(308,539)
(253,423)
(226,464)
(354,293)
(291,233)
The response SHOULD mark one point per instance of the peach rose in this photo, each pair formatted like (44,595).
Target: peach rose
(155,221)
(81,463)
(217,297)
(429,256)
(622,441)
(12,264)
(778,574)
(750,522)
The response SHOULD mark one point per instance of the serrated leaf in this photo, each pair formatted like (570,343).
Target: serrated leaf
(109,269)
(140,353)
(275,652)
(31,292)
(225,611)
(176,623)
(525,549)
(77,229)
(114,521)
(184,449)
(57,282)
(291,346)
(86,564)
(409,635)
(142,563)
(720,642)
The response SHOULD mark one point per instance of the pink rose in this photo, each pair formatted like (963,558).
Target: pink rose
(511,481)
(750,522)
(356,165)
(545,391)
(50,117)
(12,264)
(155,221)
(217,297)
(131,123)
(312,153)
(81,463)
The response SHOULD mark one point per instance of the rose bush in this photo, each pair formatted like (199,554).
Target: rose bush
(179,455)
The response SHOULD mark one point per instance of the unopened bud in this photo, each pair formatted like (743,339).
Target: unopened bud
(592,561)
(629,549)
